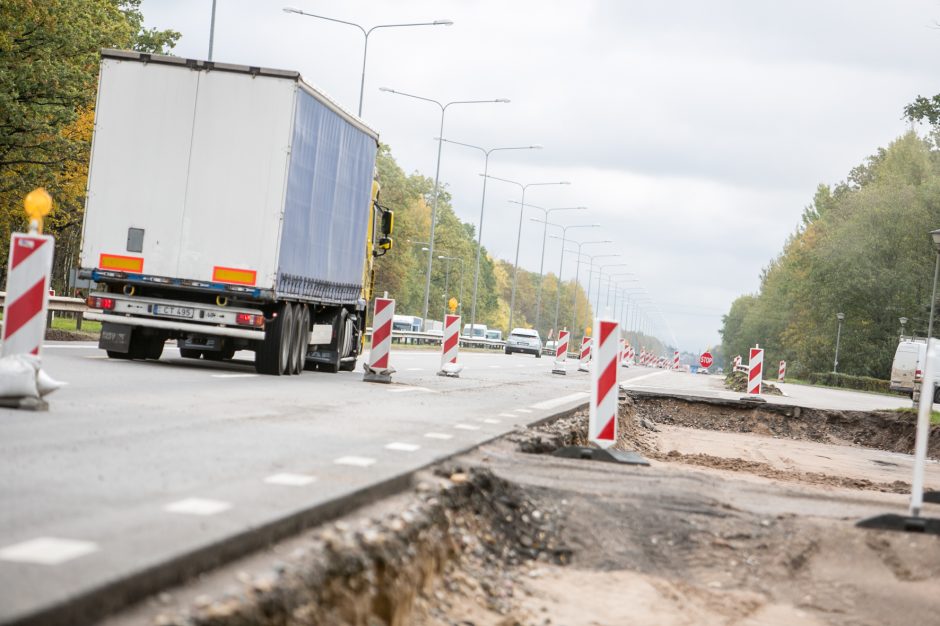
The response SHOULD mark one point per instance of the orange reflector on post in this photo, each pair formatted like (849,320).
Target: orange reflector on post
(232,275)
(131,264)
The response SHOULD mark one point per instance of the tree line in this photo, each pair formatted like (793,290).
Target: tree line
(862,249)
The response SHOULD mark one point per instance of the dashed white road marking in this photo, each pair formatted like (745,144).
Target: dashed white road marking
(97,356)
(466,427)
(495,367)
(520,365)
(550,404)
(414,369)
(358,461)
(404,388)
(234,375)
(490,420)
(438,436)
(506,415)
(290,480)
(403,447)
(47,550)
(59,346)
(197,506)
(633,380)
(523,410)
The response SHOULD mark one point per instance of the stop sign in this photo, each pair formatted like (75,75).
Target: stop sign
(706,359)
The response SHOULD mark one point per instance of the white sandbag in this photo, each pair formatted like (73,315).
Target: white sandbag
(18,374)
(46,384)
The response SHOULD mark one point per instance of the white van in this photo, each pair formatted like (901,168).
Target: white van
(907,368)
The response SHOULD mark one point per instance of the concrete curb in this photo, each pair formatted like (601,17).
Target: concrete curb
(107,600)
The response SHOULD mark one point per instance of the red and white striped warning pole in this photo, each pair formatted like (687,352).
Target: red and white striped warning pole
(675,360)
(755,372)
(602,420)
(378,370)
(585,355)
(28,273)
(450,346)
(561,353)
(782,371)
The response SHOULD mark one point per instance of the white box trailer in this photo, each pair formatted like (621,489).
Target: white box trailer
(229,207)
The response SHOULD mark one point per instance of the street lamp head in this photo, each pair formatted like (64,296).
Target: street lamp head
(386,89)
(840,316)
(936,238)
(536,146)
(502,100)
(903,321)
(291,10)
(443,23)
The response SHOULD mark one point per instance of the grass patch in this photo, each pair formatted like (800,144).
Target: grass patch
(67,323)
(934,415)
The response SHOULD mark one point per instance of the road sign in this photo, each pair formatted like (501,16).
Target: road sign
(706,359)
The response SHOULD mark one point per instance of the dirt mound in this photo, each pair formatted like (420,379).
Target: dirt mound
(882,430)
(737,381)
(56,334)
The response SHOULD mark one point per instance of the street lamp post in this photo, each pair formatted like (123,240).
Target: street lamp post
(611,282)
(212,30)
(545,213)
(591,275)
(486,165)
(903,321)
(515,271)
(561,260)
(447,278)
(437,176)
(835,363)
(577,270)
(365,33)
(935,235)
(600,277)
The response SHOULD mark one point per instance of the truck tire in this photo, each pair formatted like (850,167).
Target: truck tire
(153,347)
(189,353)
(301,334)
(273,358)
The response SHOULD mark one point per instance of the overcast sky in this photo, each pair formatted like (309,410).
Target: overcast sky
(695,132)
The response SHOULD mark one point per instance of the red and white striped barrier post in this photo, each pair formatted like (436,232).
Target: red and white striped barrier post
(561,353)
(782,371)
(450,346)
(584,361)
(675,360)
(602,419)
(28,273)
(378,370)
(755,372)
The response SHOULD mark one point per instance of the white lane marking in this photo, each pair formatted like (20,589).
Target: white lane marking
(438,436)
(550,404)
(414,369)
(290,480)
(59,346)
(234,375)
(466,427)
(523,410)
(402,447)
(358,461)
(506,415)
(97,356)
(495,367)
(197,506)
(638,378)
(47,550)
(520,365)
(404,388)
(490,420)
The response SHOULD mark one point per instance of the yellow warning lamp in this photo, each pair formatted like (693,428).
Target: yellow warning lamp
(452,304)
(587,331)
(38,203)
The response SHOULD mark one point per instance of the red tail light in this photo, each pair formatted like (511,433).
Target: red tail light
(247,319)
(918,375)
(97,302)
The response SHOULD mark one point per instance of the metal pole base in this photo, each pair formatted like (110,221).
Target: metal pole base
(584,368)
(377,376)
(559,368)
(25,404)
(625,457)
(903,523)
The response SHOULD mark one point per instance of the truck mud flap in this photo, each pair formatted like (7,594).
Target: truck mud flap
(115,337)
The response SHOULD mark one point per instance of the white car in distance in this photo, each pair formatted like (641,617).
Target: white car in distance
(524,340)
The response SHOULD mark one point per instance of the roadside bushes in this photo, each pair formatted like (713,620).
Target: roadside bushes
(861,383)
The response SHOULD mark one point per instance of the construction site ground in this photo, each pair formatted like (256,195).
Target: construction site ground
(745,516)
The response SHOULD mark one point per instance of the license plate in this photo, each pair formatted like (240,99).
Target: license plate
(173,311)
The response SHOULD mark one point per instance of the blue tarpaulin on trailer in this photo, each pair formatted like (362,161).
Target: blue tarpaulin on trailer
(326,214)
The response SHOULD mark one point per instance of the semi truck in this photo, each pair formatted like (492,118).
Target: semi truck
(229,208)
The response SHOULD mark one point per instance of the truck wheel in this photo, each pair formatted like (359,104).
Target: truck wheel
(189,353)
(301,335)
(274,356)
(153,347)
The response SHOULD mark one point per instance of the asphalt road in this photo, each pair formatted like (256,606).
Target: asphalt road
(141,464)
